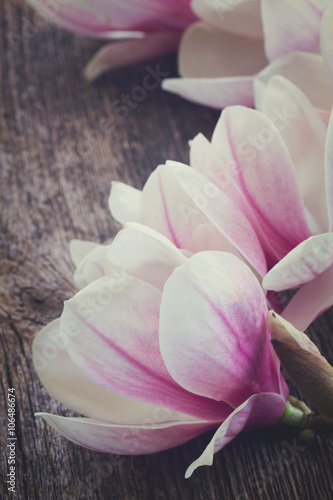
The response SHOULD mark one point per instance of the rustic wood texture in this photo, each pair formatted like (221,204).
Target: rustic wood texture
(60,146)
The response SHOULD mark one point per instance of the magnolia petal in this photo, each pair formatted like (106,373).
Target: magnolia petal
(260,410)
(306,71)
(213,335)
(116,55)
(242,17)
(304,134)
(306,261)
(154,259)
(183,200)
(65,382)
(329,171)
(310,300)
(147,437)
(290,26)
(111,333)
(215,92)
(74,16)
(249,159)
(326,40)
(206,51)
(93,266)
(79,250)
(103,18)
(124,202)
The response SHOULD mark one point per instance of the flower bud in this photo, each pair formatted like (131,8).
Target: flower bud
(300,358)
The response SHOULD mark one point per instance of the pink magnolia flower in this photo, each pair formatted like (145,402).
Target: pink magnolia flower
(153,359)
(261,189)
(154,25)
(229,56)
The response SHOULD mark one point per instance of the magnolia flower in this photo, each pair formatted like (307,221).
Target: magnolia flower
(229,56)
(154,25)
(263,186)
(153,359)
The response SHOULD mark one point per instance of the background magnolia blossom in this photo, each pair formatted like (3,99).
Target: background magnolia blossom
(226,58)
(155,358)
(230,55)
(155,27)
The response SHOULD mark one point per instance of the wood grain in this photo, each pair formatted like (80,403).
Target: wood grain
(60,146)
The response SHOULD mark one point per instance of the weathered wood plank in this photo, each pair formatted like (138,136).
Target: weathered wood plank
(61,145)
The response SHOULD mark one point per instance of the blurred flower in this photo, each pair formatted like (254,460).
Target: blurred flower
(230,55)
(154,25)
(261,189)
(154,359)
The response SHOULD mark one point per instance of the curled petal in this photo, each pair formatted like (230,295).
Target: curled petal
(124,202)
(310,300)
(260,410)
(115,55)
(309,259)
(213,335)
(146,437)
(111,333)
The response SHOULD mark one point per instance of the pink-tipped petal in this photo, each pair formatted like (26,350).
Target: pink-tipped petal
(215,92)
(329,171)
(304,134)
(145,437)
(183,200)
(249,147)
(306,71)
(310,300)
(111,330)
(290,26)
(69,385)
(206,51)
(326,40)
(242,17)
(306,261)
(213,335)
(260,410)
(115,55)
(124,202)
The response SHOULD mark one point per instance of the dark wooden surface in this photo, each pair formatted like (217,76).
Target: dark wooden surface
(60,147)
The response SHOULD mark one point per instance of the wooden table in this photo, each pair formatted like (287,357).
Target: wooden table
(61,145)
